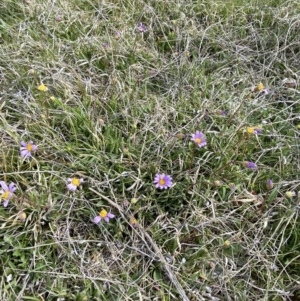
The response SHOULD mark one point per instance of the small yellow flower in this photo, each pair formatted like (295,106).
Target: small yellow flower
(103,213)
(250,130)
(134,200)
(227,243)
(253,130)
(290,194)
(259,87)
(43,88)
(133,222)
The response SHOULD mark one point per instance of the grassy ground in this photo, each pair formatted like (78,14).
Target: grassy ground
(121,106)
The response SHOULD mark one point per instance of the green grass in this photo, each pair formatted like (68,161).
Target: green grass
(120,107)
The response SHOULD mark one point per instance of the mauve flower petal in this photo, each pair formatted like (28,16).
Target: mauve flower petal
(167,183)
(110,215)
(5,203)
(34,147)
(3,185)
(81,180)
(106,219)
(71,187)
(97,219)
(25,153)
(12,187)
(156,179)
(23,143)
(250,165)
(168,178)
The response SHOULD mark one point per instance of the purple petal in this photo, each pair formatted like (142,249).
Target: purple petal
(250,165)
(81,180)
(156,179)
(4,186)
(23,143)
(97,219)
(12,187)
(25,153)
(106,219)
(5,203)
(71,187)
(34,147)
(110,215)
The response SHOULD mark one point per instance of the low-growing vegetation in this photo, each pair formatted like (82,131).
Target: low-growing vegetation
(150,150)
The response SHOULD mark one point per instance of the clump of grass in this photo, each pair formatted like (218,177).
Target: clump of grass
(111,94)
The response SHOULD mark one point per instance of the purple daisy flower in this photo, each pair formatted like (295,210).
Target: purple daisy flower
(103,214)
(27,148)
(199,139)
(163,181)
(74,183)
(142,27)
(7,192)
(250,165)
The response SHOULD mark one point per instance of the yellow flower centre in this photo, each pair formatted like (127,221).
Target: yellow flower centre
(75,181)
(250,130)
(5,195)
(42,88)
(103,213)
(198,140)
(29,147)
(162,181)
(260,87)
(133,221)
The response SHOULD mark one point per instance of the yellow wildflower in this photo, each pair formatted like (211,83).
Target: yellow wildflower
(259,87)
(290,194)
(227,243)
(43,88)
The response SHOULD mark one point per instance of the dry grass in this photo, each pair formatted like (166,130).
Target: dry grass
(120,107)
